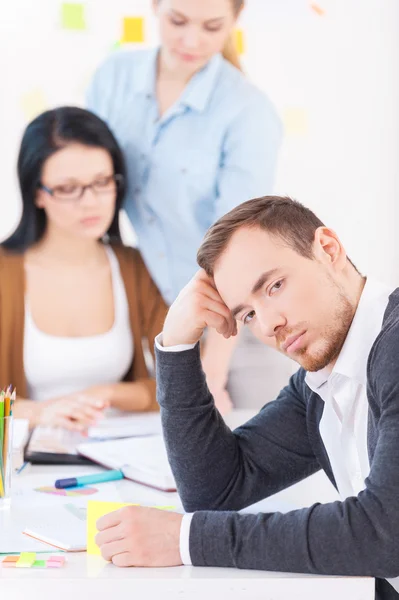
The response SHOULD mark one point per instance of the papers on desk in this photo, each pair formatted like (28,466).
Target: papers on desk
(60,527)
(59,446)
(34,529)
(141,459)
(117,426)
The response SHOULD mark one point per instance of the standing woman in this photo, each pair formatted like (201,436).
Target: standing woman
(198,139)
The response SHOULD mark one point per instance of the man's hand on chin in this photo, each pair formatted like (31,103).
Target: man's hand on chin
(135,536)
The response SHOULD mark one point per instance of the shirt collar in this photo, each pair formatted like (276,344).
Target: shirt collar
(366,325)
(200,87)
(198,90)
(145,75)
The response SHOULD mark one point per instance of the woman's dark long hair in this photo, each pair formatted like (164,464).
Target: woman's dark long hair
(45,135)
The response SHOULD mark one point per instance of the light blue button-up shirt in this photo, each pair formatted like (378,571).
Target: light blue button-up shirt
(214,148)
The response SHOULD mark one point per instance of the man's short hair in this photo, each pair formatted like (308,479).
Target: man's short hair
(280,216)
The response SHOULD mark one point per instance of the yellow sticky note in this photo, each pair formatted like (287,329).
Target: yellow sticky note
(33,103)
(239,41)
(133,30)
(73,16)
(97,509)
(295,121)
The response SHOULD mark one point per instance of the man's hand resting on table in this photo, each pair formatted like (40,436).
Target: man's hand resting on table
(135,536)
(197,306)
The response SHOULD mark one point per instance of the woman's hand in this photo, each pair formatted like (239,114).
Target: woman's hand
(76,411)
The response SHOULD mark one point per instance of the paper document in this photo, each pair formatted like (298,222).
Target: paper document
(12,524)
(127,425)
(60,527)
(142,459)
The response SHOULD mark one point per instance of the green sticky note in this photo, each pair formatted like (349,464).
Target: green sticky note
(73,16)
(39,563)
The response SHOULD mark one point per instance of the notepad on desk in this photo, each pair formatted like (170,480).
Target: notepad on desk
(141,459)
(59,527)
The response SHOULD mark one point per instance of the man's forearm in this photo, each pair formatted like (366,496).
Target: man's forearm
(348,538)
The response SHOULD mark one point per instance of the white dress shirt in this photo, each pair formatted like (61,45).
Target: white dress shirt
(343,426)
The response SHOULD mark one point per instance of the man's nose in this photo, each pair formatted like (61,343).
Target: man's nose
(270,322)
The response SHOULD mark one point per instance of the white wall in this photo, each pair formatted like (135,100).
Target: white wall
(338,72)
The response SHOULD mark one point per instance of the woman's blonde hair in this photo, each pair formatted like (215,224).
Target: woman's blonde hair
(230,52)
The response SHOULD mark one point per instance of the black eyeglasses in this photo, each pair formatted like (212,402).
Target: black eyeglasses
(73,191)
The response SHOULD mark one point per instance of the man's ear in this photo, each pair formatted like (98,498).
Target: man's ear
(327,248)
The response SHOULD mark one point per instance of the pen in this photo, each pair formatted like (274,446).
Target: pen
(96,478)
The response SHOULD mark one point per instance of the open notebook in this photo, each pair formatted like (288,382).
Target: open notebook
(59,446)
(141,459)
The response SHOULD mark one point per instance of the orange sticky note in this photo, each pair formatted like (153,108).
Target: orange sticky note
(318,10)
(239,41)
(133,30)
(10,559)
(295,121)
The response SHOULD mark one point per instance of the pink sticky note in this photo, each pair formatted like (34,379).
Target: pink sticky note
(54,564)
(57,559)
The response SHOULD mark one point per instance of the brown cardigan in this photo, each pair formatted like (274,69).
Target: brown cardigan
(146,307)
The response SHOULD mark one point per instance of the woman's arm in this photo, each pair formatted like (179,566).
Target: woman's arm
(76,411)
(216,356)
(125,395)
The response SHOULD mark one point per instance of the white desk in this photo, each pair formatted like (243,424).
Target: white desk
(88,576)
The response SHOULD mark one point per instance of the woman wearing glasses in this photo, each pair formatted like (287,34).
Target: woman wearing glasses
(75,304)
(198,138)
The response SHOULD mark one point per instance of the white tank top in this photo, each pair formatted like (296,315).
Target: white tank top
(57,366)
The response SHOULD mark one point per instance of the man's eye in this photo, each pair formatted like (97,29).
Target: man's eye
(248,318)
(276,287)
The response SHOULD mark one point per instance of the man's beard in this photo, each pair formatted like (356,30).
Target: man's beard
(334,336)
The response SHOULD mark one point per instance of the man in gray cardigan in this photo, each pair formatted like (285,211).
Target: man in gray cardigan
(272,265)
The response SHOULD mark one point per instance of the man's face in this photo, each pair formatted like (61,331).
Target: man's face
(288,301)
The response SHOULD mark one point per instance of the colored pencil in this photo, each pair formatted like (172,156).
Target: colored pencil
(2,395)
(6,436)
